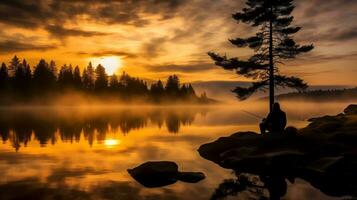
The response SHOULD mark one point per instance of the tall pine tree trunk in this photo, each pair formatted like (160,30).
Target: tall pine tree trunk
(271,63)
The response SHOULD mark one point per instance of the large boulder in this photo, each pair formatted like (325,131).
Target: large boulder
(245,147)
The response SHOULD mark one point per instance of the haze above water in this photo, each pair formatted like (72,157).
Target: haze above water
(84,152)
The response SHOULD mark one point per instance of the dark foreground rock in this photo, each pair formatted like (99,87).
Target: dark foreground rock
(162,173)
(324,154)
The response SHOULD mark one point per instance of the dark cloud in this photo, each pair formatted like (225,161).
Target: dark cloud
(61,32)
(107,53)
(319,58)
(154,47)
(326,20)
(10,46)
(348,34)
(27,14)
(38,13)
(336,34)
(319,7)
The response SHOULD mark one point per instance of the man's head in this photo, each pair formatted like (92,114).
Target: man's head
(276,107)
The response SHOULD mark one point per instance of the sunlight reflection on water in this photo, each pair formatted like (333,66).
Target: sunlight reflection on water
(85,153)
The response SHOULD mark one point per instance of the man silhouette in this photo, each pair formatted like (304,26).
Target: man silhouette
(275,121)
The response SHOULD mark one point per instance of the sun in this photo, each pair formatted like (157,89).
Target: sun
(110,63)
(111,142)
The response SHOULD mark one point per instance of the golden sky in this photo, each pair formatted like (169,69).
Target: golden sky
(154,38)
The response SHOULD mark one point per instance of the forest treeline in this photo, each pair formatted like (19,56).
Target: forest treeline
(21,82)
(321,95)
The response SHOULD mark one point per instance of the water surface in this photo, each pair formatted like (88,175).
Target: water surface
(84,152)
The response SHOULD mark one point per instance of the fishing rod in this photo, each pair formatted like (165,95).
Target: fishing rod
(261,117)
(252,114)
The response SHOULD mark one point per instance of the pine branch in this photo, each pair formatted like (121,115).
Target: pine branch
(244,68)
(244,93)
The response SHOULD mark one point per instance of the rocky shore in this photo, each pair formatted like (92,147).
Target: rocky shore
(324,154)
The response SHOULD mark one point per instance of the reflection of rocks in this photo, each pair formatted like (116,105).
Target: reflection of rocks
(323,153)
(162,173)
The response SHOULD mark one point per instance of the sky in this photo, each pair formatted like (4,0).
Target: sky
(155,38)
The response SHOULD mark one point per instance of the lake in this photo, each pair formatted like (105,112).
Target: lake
(84,152)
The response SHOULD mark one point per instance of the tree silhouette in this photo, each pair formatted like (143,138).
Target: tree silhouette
(157,91)
(65,77)
(77,80)
(101,81)
(19,79)
(45,80)
(88,77)
(272,44)
(53,67)
(4,78)
(133,86)
(190,91)
(14,64)
(43,77)
(27,78)
(114,84)
(172,87)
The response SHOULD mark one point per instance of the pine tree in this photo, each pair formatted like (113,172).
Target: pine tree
(172,87)
(4,78)
(114,83)
(65,77)
(101,81)
(43,78)
(77,80)
(14,64)
(191,92)
(184,91)
(272,44)
(53,67)
(19,78)
(27,78)
(88,77)
(157,90)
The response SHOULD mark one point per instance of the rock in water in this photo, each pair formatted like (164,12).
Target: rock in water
(190,177)
(162,173)
(155,174)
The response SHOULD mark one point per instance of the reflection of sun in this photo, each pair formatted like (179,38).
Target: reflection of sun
(110,63)
(111,142)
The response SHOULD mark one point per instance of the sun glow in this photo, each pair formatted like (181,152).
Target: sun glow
(111,63)
(111,142)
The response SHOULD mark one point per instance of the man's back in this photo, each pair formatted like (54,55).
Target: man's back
(277,121)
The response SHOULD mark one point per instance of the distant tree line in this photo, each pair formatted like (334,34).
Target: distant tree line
(18,79)
(322,95)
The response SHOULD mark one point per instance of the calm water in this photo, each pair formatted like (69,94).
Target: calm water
(83,153)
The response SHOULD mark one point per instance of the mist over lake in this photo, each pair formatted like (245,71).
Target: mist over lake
(74,152)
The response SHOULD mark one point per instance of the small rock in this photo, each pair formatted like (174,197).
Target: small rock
(190,177)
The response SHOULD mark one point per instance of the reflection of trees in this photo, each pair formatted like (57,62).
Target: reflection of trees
(48,126)
(256,187)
